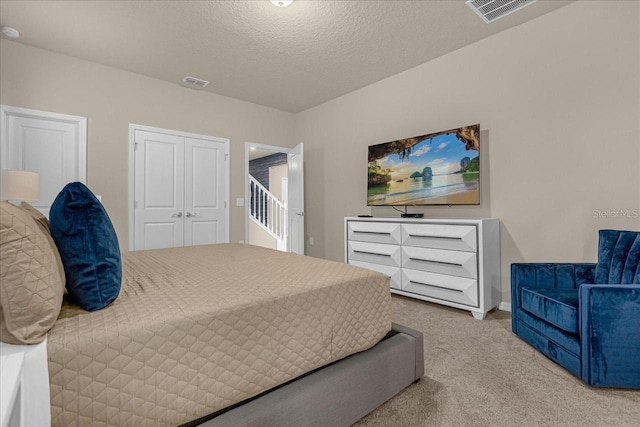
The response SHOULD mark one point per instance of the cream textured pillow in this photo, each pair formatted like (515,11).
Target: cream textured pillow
(31,290)
(37,216)
(43,223)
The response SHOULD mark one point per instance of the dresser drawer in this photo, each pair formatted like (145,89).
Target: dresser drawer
(457,263)
(449,288)
(448,261)
(440,236)
(375,253)
(375,232)
(394,272)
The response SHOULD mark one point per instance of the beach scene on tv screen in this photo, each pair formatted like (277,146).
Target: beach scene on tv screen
(441,168)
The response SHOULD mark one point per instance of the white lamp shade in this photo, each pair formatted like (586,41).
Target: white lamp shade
(19,185)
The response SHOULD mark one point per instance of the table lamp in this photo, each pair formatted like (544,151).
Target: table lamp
(19,185)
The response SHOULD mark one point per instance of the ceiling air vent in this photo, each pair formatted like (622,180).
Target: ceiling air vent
(490,10)
(197,83)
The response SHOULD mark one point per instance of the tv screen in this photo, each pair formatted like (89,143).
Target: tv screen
(441,168)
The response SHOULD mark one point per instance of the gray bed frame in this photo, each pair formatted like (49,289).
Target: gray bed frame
(339,394)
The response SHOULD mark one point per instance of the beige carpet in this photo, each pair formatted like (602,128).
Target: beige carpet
(478,373)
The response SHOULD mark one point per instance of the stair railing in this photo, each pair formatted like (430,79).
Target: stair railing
(266,210)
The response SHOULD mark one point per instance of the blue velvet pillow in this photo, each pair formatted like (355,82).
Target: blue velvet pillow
(88,246)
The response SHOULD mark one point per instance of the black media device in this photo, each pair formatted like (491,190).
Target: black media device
(412,215)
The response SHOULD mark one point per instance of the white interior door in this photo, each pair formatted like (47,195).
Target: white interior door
(179,189)
(159,190)
(205,220)
(296,199)
(51,144)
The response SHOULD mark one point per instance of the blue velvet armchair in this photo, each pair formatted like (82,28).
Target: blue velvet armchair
(585,317)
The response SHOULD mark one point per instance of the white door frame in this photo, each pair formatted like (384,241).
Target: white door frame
(9,159)
(132,128)
(80,122)
(247,193)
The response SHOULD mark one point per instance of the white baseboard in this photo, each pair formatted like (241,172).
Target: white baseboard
(505,306)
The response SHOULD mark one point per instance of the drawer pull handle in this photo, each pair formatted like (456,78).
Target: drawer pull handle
(435,286)
(427,236)
(371,232)
(371,253)
(457,264)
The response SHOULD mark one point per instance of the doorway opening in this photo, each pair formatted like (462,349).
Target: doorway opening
(274,214)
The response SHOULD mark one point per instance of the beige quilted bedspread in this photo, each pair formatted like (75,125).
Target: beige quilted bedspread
(197,329)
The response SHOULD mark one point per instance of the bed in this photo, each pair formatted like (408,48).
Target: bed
(221,335)
(197,330)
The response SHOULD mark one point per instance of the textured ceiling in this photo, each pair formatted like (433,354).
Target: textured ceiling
(290,58)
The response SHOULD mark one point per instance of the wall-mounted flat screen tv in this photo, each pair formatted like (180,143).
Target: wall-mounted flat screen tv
(441,168)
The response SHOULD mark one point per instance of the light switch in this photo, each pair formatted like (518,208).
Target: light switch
(240,201)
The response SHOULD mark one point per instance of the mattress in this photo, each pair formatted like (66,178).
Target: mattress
(198,329)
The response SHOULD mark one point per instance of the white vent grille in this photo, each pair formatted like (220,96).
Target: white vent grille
(199,83)
(490,10)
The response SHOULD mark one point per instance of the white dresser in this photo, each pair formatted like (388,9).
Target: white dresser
(454,262)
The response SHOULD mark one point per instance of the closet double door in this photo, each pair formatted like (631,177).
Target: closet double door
(179,190)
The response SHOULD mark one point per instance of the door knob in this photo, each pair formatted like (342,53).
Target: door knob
(177,215)
(300,213)
(190,215)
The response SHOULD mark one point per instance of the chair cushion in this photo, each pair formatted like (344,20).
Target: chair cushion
(618,257)
(32,287)
(88,247)
(556,306)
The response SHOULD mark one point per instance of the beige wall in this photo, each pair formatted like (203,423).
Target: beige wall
(259,237)
(276,173)
(112,98)
(558,100)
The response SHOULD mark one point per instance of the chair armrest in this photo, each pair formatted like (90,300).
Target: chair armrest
(547,275)
(610,335)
